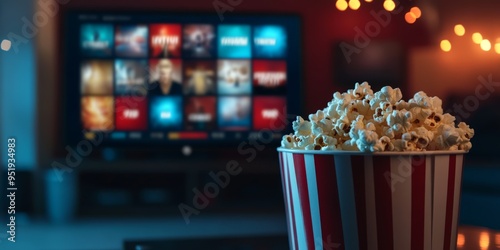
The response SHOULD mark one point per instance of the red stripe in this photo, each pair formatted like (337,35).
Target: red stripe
(300,171)
(383,201)
(294,225)
(285,196)
(417,202)
(358,173)
(329,206)
(449,203)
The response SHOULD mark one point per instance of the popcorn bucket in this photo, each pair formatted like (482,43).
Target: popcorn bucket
(385,201)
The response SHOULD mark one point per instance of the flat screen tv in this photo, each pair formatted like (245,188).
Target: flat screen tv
(158,80)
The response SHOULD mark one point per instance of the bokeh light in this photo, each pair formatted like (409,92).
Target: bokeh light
(485,45)
(410,17)
(484,240)
(477,38)
(354,4)
(459,30)
(416,11)
(389,5)
(460,240)
(445,45)
(497,50)
(341,5)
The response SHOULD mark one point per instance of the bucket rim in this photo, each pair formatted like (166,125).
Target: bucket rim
(392,153)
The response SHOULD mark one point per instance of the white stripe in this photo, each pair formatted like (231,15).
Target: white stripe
(441,168)
(347,202)
(312,186)
(371,218)
(401,169)
(456,198)
(428,203)
(299,219)
(291,223)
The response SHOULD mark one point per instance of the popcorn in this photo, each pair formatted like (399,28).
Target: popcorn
(399,120)
(421,99)
(301,127)
(361,120)
(361,90)
(383,144)
(386,94)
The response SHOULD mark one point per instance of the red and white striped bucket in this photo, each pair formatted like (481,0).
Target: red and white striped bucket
(381,201)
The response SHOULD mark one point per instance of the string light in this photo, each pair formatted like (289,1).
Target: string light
(416,11)
(389,5)
(459,30)
(410,17)
(341,5)
(485,45)
(445,45)
(477,38)
(354,4)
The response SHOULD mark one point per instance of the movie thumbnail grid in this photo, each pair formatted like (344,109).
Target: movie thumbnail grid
(182,77)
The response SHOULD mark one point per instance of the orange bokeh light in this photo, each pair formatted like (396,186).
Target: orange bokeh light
(460,240)
(445,45)
(477,38)
(416,11)
(484,240)
(485,45)
(354,4)
(341,5)
(497,50)
(459,30)
(410,17)
(389,5)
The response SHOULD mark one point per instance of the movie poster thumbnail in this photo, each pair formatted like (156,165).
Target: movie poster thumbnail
(200,113)
(199,41)
(270,41)
(96,77)
(199,77)
(131,113)
(165,76)
(234,41)
(234,77)
(97,40)
(269,112)
(166,112)
(131,41)
(165,40)
(234,113)
(97,113)
(269,77)
(130,77)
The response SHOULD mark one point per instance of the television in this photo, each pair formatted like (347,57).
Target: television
(157,80)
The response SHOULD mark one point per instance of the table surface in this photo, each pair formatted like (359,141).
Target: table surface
(469,238)
(113,234)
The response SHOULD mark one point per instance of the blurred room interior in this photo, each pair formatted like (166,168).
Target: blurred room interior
(115,197)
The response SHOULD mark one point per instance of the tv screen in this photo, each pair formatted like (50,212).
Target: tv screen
(169,79)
